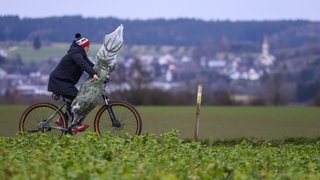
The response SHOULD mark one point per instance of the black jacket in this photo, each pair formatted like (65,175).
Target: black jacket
(68,72)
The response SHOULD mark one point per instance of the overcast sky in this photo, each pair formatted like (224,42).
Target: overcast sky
(169,9)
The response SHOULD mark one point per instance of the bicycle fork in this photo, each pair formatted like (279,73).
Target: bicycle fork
(115,122)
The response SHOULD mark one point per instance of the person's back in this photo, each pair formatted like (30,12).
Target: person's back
(68,72)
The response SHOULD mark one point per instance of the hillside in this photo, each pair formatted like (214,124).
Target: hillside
(227,57)
(176,32)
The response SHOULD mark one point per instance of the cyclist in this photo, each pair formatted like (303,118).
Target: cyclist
(66,75)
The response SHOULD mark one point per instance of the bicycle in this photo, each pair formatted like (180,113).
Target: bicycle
(113,116)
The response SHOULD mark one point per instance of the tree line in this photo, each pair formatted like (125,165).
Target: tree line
(175,32)
(295,44)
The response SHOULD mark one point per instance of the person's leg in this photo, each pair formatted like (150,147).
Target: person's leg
(70,94)
(76,120)
(68,114)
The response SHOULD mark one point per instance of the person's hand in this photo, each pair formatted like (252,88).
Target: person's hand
(95,77)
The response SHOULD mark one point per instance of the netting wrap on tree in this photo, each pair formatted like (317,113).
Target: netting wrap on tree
(106,59)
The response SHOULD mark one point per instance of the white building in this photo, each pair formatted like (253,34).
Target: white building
(265,58)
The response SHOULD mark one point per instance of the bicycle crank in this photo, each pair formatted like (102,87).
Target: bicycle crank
(43,127)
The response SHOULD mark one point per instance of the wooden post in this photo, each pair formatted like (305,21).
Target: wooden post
(196,130)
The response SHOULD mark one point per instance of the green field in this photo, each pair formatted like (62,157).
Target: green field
(216,123)
(48,51)
(29,54)
(267,150)
(146,157)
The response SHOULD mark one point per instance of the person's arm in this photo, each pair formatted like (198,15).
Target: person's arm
(89,62)
(78,58)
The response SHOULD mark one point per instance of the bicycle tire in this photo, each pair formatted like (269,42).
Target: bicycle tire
(38,113)
(127,115)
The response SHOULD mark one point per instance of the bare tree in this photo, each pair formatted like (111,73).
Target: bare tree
(275,87)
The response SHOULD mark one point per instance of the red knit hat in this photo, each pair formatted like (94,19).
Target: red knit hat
(83,42)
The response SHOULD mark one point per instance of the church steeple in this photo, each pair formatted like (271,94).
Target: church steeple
(265,58)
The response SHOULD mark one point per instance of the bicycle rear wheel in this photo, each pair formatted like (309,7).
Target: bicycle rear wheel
(34,119)
(127,117)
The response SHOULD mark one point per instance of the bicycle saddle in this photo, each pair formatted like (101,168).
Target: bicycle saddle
(55,96)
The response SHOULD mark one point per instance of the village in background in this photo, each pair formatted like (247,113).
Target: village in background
(172,70)
(238,63)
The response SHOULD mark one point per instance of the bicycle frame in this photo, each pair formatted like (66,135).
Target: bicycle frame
(114,121)
(123,116)
(107,101)
(46,123)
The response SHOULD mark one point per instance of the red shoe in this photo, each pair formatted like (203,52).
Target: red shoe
(58,123)
(79,127)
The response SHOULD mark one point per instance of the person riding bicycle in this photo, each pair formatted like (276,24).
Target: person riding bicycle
(66,75)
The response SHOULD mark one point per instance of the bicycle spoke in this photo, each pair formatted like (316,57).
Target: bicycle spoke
(126,119)
(34,119)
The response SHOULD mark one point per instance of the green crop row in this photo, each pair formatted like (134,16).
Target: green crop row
(39,156)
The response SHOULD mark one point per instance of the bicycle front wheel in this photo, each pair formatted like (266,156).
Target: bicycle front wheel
(125,118)
(40,117)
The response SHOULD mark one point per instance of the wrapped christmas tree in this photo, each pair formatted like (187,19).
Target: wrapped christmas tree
(106,59)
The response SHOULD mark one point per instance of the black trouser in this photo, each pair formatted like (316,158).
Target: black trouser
(69,100)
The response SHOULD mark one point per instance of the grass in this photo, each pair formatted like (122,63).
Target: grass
(220,123)
(29,54)
(216,123)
